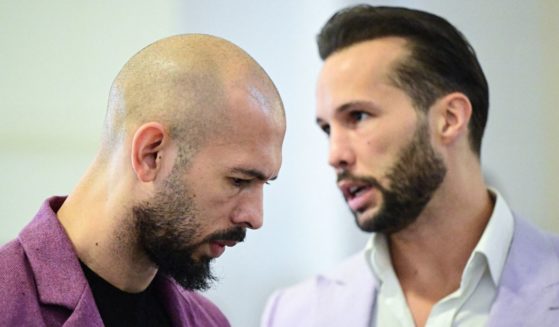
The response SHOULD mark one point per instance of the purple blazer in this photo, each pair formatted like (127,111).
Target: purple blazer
(42,283)
(528,294)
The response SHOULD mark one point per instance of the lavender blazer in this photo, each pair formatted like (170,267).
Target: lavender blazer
(42,283)
(528,294)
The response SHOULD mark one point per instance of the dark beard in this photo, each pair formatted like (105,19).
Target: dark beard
(166,226)
(413,179)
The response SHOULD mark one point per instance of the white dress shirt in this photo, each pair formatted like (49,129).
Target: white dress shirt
(467,306)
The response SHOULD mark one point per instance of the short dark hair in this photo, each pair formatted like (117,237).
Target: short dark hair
(441,60)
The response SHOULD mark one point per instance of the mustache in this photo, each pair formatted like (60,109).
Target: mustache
(369,180)
(236,234)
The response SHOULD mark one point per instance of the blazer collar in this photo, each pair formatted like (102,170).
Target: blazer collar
(528,293)
(56,269)
(346,296)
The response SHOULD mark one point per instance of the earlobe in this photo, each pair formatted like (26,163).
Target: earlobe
(147,147)
(455,114)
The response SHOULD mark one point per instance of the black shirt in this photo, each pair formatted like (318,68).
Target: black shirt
(118,308)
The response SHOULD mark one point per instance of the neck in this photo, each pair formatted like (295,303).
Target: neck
(430,255)
(98,223)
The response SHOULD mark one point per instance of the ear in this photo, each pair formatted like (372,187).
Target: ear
(148,144)
(453,116)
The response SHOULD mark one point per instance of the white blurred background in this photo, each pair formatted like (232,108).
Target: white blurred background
(58,59)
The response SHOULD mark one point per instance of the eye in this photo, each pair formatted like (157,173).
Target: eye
(358,116)
(240,182)
(325,128)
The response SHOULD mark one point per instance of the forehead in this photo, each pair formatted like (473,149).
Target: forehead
(249,136)
(356,72)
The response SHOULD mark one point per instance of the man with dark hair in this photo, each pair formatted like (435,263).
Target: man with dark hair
(404,103)
(193,131)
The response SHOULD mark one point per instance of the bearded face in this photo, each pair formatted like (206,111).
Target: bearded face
(413,179)
(169,229)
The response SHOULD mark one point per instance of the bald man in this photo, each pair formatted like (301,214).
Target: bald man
(194,129)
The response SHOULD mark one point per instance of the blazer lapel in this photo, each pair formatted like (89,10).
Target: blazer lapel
(56,269)
(528,294)
(346,297)
(170,296)
(85,313)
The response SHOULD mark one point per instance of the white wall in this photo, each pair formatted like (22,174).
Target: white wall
(58,59)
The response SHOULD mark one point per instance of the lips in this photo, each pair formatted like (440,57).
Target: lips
(218,247)
(358,195)
(226,243)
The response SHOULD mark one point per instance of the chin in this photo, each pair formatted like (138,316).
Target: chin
(364,220)
(367,220)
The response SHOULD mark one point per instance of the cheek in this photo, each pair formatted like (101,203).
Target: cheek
(215,209)
(377,146)
(216,200)
(210,193)
(374,147)
(381,150)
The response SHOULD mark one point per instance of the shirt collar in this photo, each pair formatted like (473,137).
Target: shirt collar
(378,256)
(495,241)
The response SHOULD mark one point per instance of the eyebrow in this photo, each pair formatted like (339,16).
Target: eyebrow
(359,104)
(253,173)
(351,105)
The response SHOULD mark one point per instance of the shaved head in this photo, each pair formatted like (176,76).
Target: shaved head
(184,82)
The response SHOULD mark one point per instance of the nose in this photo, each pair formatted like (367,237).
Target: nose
(341,155)
(249,211)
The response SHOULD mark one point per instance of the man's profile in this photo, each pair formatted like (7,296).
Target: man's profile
(193,130)
(404,103)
